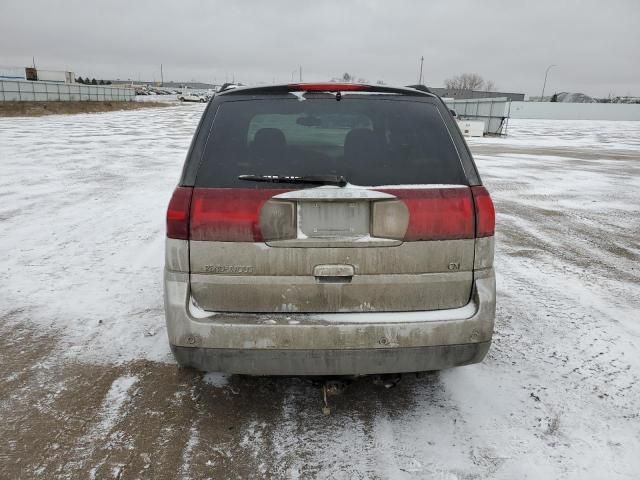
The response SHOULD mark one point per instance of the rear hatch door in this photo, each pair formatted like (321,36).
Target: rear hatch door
(399,236)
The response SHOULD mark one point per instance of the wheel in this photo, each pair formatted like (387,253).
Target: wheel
(202,100)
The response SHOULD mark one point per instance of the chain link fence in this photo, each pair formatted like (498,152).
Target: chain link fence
(34,91)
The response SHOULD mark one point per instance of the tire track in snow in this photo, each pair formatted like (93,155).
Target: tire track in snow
(100,433)
(187,453)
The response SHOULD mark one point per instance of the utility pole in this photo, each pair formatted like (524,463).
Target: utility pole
(161,77)
(421,63)
(300,73)
(545,81)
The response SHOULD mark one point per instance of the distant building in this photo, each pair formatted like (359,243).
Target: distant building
(469,94)
(33,74)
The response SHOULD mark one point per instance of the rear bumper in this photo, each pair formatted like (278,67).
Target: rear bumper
(329,344)
(330,362)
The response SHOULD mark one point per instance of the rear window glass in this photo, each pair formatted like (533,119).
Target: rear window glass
(368,140)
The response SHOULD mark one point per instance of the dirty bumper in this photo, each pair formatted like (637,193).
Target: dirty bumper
(330,362)
(329,344)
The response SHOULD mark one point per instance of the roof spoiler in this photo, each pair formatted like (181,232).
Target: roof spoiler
(422,88)
(329,87)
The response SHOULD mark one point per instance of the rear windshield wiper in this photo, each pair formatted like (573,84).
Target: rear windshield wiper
(338,180)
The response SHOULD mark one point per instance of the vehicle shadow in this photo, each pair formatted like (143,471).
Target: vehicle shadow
(338,393)
(282,423)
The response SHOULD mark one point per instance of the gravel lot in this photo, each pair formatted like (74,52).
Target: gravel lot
(88,388)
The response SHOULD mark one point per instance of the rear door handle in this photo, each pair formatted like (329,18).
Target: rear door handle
(333,273)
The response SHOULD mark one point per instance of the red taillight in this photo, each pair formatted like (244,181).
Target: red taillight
(437,213)
(328,87)
(485,213)
(228,214)
(233,214)
(178,213)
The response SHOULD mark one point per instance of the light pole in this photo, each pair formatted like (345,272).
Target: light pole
(421,63)
(545,81)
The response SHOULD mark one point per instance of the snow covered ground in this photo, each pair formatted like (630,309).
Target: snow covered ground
(84,198)
(598,135)
(87,383)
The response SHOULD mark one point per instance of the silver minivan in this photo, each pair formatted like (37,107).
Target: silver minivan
(329,229)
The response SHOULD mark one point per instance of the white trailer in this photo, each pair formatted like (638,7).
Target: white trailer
(471,128)
(55,76)
(492,112)
(12,73)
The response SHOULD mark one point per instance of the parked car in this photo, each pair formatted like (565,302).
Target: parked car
(329,229)
(192,97)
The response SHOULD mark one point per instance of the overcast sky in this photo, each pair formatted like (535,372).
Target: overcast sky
(595,44)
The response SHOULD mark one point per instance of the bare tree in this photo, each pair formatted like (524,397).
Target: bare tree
(489,86)
(467,81)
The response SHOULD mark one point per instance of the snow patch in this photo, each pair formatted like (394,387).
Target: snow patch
(216,379)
